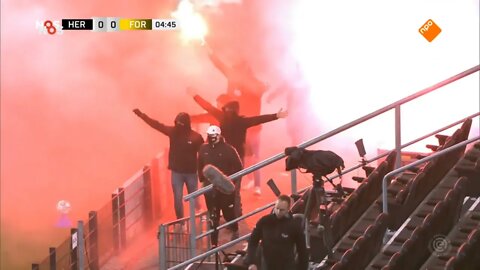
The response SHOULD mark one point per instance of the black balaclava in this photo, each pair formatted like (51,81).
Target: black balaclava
(231,108)
(182,122)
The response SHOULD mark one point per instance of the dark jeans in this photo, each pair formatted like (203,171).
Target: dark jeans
(178,181)
(216,202)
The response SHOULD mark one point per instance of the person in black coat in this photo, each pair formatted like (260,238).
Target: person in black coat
(220,154)
(234,128)
(281,235)
(248,89)
(182,155)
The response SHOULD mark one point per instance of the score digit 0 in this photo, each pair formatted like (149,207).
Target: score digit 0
(113,24)
(99,24)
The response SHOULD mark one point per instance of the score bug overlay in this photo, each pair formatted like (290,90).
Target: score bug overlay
(49,27)
(104,24)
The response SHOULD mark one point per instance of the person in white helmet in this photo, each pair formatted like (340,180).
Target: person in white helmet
(235,126)
(223,156)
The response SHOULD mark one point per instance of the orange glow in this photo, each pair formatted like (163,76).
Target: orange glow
(192,24)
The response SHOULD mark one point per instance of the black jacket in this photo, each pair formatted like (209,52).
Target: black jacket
(184,145)
(279,237)
(234,128)
(221,155)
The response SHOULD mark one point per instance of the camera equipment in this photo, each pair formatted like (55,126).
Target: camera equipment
(219,180)
(319,163)
(361,151)
(214,223)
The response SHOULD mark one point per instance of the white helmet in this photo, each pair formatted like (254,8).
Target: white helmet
(214,130)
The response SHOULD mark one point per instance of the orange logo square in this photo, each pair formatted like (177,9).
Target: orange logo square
(430,30)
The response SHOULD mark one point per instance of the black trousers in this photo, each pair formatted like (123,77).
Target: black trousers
(216,202)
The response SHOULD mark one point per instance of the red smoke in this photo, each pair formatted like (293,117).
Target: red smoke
(67,127)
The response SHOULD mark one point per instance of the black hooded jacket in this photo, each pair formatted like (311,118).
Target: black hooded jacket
(280,237)
(221,155)
(234,127)
(184,142)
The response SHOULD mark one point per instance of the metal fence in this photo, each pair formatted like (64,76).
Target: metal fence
(174,240)
(107,231)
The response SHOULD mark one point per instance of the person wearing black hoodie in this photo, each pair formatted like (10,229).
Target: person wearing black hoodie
(234,128)
(182,155)
(248,89)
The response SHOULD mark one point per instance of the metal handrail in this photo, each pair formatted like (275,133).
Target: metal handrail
(210,252)
(408,144)
(396,106)
(260,209)
(360,120)
(416,163)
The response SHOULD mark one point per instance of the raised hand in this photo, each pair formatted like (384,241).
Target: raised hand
(281,113)
(137,112)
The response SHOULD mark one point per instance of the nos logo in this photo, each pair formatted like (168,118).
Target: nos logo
(49,27)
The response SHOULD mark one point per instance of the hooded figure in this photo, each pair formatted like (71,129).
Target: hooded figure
(222,99)
(182,155)
(182,122)
(234,129)
(231,108)
(234,126)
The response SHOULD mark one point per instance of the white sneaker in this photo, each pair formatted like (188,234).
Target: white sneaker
(257,191)
(249,185)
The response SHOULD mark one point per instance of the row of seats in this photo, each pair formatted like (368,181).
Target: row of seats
(399,184)
(348,239)
(398,188)
(417,246)
(359,247)
(471,168)
(356,204)
(408,198)
(465,231)
(352,209)
(467,257)
(453,180)
(366,219)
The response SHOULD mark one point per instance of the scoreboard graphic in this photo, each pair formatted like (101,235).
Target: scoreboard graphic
(105,24)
